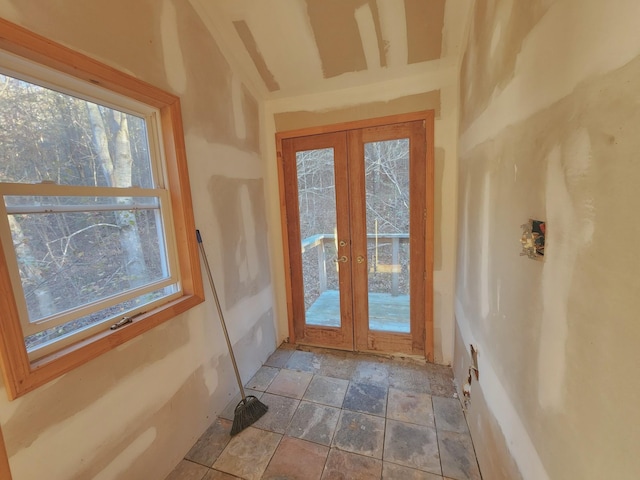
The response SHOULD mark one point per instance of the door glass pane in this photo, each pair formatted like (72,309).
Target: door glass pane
(317,204)
(387,198)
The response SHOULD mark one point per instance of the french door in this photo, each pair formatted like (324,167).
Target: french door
(358,203)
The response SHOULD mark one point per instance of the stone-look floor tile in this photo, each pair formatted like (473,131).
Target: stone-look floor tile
(279,358)
(349,466)
(209,446)
(414,446)
(277,418)
(303,362)
(218,475)
(262,379)
(248,453)
(410,407)
(229,411)
(296,459)
(290,383)
(406,376)
(187,470)
(391,471)
(449,415)
(366,398)
(442,382)
(314,422)
(326,390)
(338,366)
(360,433)
(371,372)
(458,456)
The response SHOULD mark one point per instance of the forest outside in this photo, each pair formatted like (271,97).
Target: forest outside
(83,198)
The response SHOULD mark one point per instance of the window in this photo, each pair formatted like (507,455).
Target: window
(96,225)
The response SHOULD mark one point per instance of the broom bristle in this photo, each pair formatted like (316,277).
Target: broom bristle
(248,411)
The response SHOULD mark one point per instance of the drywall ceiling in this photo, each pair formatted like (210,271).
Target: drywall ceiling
(291,47)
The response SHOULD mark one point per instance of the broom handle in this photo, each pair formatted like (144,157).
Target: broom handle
(217,300)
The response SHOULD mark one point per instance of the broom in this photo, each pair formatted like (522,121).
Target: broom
(250,409)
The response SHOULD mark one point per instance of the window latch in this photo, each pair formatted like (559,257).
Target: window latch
(124,321)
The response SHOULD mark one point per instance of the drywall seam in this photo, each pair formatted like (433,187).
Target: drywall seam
(518,441)
(548,70)
(222,29)
(171,51)
(239,121)
(368,36)
(363,94)
(122,462)
(302,62)
(393,24)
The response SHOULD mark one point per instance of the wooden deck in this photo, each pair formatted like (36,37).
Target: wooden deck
(387,313)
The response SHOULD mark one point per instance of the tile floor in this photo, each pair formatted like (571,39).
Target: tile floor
(338,415)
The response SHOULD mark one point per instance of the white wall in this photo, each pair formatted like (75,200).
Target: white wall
(549,112)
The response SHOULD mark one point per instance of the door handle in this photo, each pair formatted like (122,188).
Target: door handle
(342,259)
(360,259)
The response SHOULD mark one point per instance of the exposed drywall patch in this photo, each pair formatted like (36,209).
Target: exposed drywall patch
(214,160)
(123,462)
(337,36)
(237,96)
(174,66)
(244,32)
(117,39)
(548,69)
(501,407)
(251,120)
(425,21)
(494,457)
(411,103)
(393,25)
(242,231)
(171,432)
(206,106)
(29,420)
(257,344)
(497,34)
(247,258)
(570,229)
(102,412)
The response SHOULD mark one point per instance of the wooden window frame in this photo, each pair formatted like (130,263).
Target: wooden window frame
(22,375)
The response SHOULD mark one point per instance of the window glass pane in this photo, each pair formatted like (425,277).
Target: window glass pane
(51,136)
(67,260)
(113,314)
(387,190)
(317,204)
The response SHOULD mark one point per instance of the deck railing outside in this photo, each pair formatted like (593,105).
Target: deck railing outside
(377,240)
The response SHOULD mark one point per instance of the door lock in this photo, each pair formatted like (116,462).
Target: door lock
(342,259)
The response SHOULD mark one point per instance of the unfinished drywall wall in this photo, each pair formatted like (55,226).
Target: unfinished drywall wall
(549,112)
(135,411)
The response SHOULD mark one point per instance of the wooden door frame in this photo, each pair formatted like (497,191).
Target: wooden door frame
(428,117)
(5,471)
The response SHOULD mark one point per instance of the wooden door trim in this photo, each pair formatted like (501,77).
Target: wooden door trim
(301,332)
(357,124)
(375,341)
(5,471)
(428,117)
